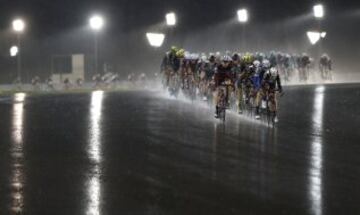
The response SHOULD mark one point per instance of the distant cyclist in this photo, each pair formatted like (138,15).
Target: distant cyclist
(304,66)
(325,67)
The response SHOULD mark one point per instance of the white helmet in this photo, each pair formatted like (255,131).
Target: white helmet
(273,71)
(187,55)
(203,58)
(194,56)
(227,58)
(266,63)
(256,63)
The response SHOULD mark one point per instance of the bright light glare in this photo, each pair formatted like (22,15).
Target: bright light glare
(18,25)
(95,126)
(319,11)
(17,179)
(314,37)
(96,22)
(242,15)
(94,151)
(170,19)
(14,51)
(316,165)
(155,39)
(19,97)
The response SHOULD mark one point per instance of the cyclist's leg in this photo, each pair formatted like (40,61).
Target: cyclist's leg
(273,104)
(240,99)
(216,101)
(259,96)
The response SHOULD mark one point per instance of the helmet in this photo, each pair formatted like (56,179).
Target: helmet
(212,58)
(273,71)
(256,63)
(236,57)
(203,58)
(266,63)
(194,56)
(227,58)
(247,58)
(174,49)
(180,53)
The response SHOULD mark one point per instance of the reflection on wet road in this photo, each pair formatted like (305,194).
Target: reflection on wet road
(94,151)
(144,153)
(316,152)
(17,154)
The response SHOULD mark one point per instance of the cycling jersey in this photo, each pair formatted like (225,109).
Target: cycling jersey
(273,81)
(210,69)
(257,77)
(222,73)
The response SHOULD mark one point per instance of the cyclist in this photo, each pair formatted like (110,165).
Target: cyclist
(50,84)
(67,84)
(258,85)
(168,64)
(304,65)
(210,69)
(325,65)
(237,70)
(97,80)
(271,86)
(201,72)
(223,78)
(79,82)
(35,82)
(245,83)
(287,67)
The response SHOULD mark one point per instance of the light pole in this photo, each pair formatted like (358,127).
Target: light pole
(243,17)
(96,24)
(171,21)
(319,13)
(18,26)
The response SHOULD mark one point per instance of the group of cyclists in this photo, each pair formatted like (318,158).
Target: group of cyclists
(105,81)
(248,82)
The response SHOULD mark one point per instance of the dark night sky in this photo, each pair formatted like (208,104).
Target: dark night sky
(58,27)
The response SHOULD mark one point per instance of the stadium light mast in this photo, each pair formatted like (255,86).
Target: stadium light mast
(96,23)
(243,18)
(155,39)
(243,15)
(319,11)
(170,19)
(315,36)
(14,50)
(18,26)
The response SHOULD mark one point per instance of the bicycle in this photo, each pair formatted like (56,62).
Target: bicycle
(271,106)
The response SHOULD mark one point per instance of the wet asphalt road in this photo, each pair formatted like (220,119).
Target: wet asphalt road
(143,153)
